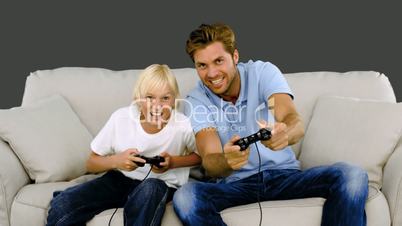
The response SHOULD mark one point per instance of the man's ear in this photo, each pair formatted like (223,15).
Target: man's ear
(236,56)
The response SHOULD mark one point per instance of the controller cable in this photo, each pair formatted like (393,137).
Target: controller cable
(110,220)
(259,183)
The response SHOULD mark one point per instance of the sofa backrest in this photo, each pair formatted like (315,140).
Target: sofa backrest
(94,93)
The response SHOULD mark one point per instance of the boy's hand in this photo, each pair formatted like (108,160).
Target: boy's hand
(126,160)
(165,166)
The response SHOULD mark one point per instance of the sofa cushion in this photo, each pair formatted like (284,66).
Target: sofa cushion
(33,200)
(48,138)
(361,132)
(307,87)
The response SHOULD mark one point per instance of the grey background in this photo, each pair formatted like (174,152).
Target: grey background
(295,35)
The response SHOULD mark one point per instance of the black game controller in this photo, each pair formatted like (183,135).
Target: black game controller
(262,134)
(156,160)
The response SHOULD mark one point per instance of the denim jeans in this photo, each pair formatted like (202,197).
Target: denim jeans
(344,187)
(143,202)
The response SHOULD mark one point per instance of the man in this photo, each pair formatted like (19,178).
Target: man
(228,103)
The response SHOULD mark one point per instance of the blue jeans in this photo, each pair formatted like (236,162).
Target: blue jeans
(344,187)
(143,202)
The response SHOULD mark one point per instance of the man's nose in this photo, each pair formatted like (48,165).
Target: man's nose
(213,72)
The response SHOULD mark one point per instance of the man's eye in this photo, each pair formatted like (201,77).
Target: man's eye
(201,66)
(219,61)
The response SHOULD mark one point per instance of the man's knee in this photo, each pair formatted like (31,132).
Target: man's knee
(353,178)
(184,199)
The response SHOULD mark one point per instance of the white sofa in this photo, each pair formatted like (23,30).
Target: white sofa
(364,130)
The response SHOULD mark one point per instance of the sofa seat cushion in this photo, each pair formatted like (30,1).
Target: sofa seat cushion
(32,202)
(304,212)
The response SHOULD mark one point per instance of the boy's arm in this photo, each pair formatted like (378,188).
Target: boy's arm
(98,163)
(124,161)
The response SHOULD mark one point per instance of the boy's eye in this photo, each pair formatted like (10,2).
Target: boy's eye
(166,98)
(149,97)
(219,61)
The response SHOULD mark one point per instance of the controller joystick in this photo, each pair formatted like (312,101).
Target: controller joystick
(262,134)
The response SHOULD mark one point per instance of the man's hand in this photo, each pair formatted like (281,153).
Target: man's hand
(279,136)
(234,157)
(165,166)
(126,160)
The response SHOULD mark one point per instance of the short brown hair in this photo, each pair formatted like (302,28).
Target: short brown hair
(206,34)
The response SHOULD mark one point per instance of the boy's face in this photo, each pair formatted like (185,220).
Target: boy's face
(216,67)
(156,105)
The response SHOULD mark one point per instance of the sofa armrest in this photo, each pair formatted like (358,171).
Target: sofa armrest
(392,184)
(12,178)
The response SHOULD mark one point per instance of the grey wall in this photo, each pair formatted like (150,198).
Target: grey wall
(295,35)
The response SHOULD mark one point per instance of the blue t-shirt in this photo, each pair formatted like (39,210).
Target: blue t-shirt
(259,80)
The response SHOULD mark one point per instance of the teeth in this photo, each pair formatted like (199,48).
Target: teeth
(217,81)
(156,113)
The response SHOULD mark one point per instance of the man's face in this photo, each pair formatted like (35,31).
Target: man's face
(216,67)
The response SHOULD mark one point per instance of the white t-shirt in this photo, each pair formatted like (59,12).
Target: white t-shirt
(124,131)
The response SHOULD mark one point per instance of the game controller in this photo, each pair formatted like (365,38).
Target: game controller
(156,160)
(262,134)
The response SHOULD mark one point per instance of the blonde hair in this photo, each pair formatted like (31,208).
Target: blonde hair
(155,76)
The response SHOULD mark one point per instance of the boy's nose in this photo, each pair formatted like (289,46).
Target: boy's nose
(156,105)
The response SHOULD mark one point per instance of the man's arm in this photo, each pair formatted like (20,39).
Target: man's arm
(185,160)
(219,163)
(288,128)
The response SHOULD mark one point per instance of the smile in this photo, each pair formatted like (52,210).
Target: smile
(155,113)
(216,82)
